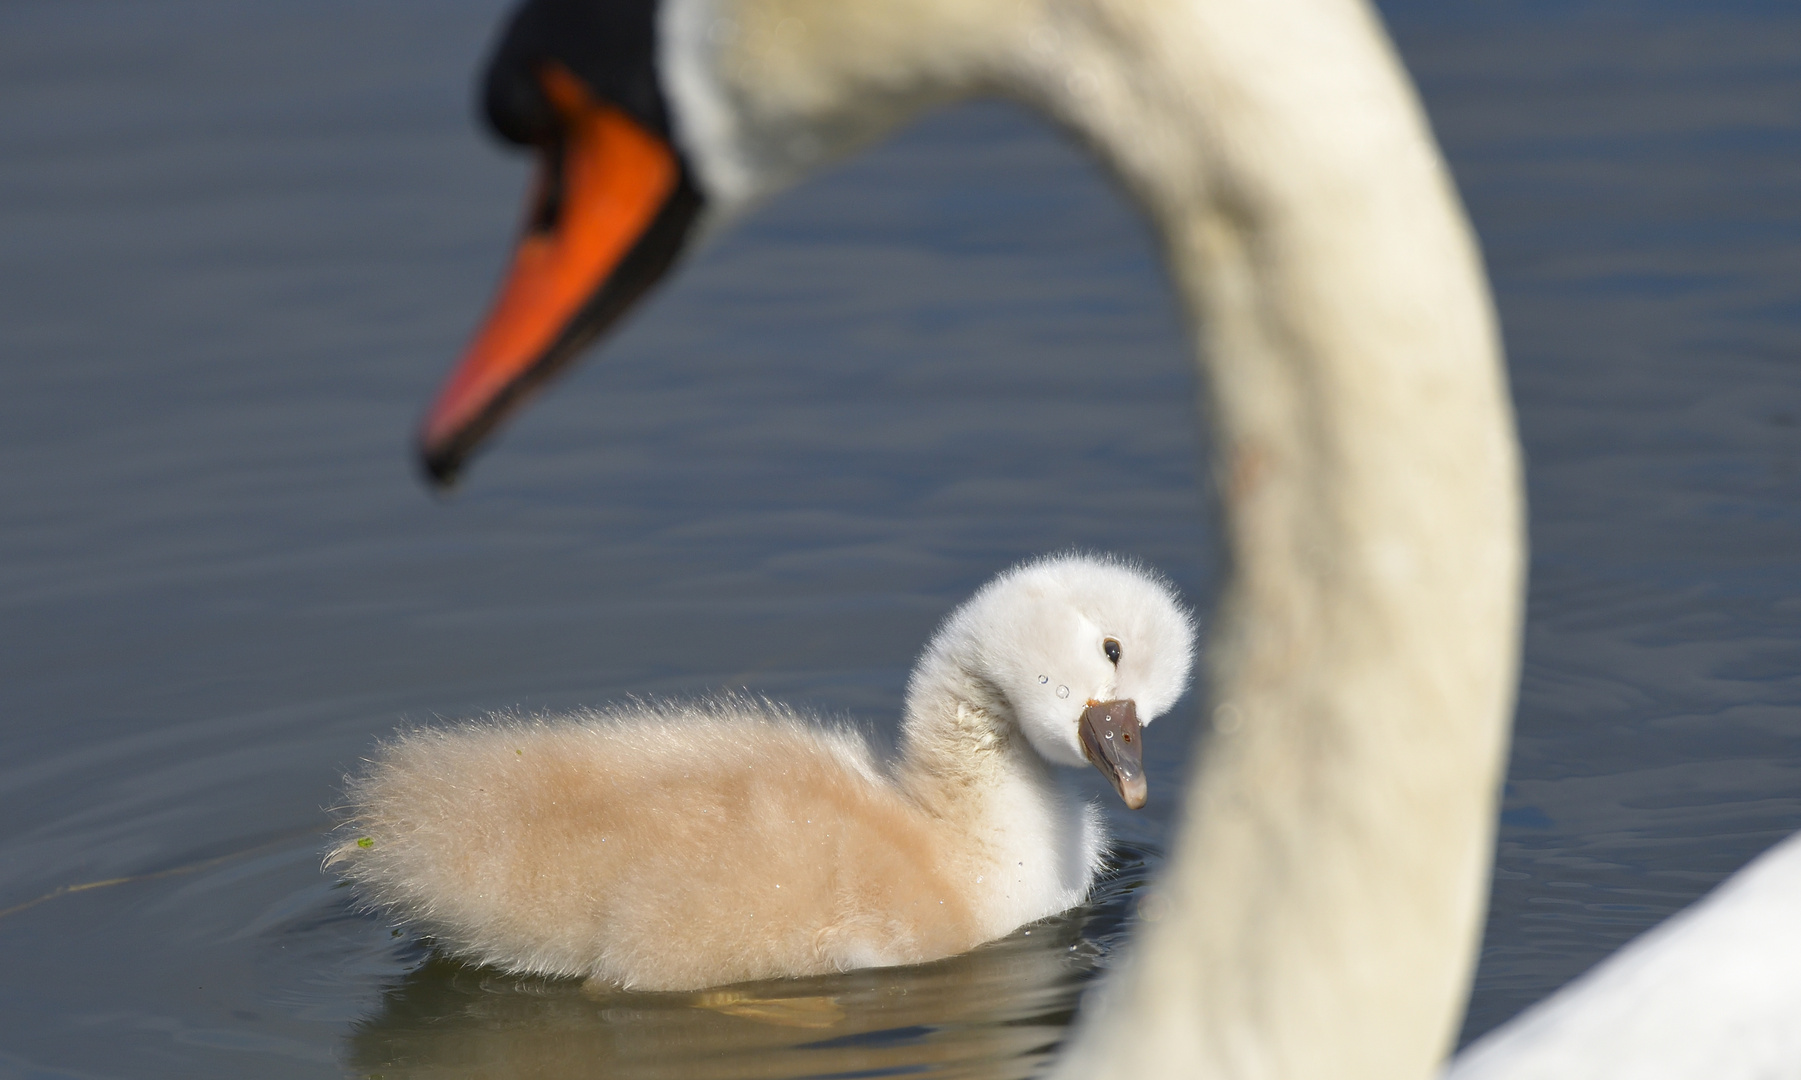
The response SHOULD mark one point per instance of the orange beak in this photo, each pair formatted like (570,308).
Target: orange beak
(611,208)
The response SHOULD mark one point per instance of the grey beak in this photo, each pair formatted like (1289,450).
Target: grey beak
(1111,741)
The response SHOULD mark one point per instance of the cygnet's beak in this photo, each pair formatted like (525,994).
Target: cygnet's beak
(1111,741)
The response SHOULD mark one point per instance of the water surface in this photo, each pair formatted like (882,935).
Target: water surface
(240,242)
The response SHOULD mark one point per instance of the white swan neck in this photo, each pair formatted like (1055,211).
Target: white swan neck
(1329,881)
(1328,884)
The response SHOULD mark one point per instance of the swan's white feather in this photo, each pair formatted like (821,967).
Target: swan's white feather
(1714,991)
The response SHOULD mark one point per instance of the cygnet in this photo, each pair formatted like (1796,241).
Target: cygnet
(676,846)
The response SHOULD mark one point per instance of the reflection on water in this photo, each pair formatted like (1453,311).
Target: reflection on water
(996,1012)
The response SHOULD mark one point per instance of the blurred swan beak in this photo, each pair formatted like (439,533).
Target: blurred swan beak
(611,209)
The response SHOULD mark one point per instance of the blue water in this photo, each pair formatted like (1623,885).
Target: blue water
(239,243)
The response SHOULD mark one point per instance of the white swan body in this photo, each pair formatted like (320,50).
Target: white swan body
(1714,991)
(671,847)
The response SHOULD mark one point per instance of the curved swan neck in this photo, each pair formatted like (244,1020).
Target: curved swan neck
(1328,883)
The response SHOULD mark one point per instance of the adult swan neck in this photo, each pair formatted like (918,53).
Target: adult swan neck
(1326,891)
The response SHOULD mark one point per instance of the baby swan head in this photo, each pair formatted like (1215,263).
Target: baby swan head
(1077,651)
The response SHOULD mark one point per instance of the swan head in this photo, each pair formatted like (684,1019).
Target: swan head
(1079,651)
(612,206)
(646,117)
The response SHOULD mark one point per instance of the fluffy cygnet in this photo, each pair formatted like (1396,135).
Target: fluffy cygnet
(684,845)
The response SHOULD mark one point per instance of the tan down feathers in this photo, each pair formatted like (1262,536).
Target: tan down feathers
(683,845)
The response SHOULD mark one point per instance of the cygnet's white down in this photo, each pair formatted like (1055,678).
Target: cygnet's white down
(686,845)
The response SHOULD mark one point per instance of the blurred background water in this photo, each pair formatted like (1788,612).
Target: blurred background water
(239,243)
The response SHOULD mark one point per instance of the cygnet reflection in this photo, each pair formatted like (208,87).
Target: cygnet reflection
(997,1011)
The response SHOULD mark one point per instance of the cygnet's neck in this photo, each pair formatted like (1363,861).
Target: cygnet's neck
(1029,846)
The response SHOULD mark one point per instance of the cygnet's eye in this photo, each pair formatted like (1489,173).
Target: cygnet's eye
(1111,648)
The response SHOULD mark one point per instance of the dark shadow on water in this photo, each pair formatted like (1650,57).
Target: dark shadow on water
(999,1011)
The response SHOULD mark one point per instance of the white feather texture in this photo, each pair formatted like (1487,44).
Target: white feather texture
(1710,993)
(675,846)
